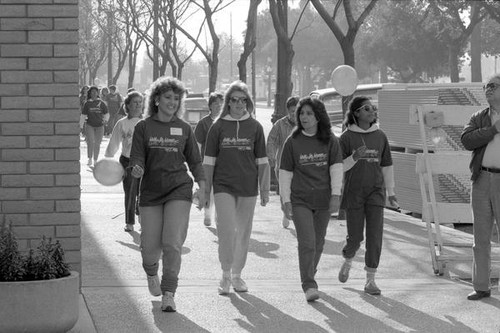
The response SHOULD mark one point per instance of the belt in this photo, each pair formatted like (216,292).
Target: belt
(492,170)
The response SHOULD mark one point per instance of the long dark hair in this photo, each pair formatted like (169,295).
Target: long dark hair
(356,103)
(324,133)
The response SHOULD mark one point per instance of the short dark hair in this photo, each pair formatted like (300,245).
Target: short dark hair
(215,96)
(292,101)
(112,87)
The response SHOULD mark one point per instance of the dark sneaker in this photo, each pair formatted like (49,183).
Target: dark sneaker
(312,294)
(371,288)
(344,271)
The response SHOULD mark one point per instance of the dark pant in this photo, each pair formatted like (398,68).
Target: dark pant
(311,226)
(130,187)
(374,217)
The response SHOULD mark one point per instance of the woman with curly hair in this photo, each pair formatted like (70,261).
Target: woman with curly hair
(162,145)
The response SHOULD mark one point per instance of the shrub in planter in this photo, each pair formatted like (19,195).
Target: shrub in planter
(39,292)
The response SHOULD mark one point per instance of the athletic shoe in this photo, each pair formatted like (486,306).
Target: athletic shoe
(239,285)
(344,271)
(167,302)
(225,284)
(371,288)
(312,294)
(207,222)
(154,285)
(129,227)
(285,222)
(89,163)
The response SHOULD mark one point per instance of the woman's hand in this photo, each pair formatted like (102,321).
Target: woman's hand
(137,171)
(287,209)
(264,198)
(334,204)
(359,153)
(393,201)
(201,200)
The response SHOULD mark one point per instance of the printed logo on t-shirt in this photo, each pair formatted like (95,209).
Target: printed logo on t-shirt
(167,144)
(318,159)
(371,156)
(238,143)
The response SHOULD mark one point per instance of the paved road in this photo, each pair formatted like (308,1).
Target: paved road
(115,296)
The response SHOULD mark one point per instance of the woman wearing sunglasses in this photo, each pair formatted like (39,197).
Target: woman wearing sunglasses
(236,166)
(368,178)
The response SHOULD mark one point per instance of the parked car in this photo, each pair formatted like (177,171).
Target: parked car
(195,109)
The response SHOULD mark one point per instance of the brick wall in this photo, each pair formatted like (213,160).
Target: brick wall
(39,113)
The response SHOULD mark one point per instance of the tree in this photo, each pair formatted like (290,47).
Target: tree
(454,31)
(346,40)
(250,39)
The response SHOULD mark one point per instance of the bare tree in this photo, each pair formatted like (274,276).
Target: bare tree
(250,39)
(92,43)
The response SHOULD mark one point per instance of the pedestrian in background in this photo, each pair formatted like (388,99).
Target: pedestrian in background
(368,178)
(215,101)
(83,98)
(276,139)
(481,135)
(95,113)
(236,166)
(114,101)
(122,134)
(310,179)
(163,144)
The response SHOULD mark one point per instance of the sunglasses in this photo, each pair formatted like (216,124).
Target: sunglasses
(367,108)
(236,100)
(491,85)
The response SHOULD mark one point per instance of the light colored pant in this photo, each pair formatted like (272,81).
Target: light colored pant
(485,201)
(234,226)
(93,136)
(164,230)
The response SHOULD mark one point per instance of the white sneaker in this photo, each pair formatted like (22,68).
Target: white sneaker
(154,285)
(285,222)
(239,285)
(344,271)
(312,294)
(167,302)
(224,286)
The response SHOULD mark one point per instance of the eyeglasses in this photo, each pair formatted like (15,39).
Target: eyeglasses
(491,85)
(367,108)
(235,100)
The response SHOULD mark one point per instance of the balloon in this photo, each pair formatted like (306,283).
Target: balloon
(108,172)
(345,80)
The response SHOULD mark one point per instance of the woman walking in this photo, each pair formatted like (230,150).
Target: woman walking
(162,146)
(96,113)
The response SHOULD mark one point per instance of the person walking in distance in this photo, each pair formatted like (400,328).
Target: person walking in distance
(481,136)
(276,139)
(215,101)
(236,166)
(368,178)
(122,135)
(310,179)
(114,101)
(163,147)
(96,113)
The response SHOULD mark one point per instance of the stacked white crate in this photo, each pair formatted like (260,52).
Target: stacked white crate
(394,102)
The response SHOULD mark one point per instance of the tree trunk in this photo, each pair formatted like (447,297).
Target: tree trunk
(453,59)
(283,78)
(475,52)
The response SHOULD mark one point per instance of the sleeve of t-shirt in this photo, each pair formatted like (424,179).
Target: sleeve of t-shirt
(193,157)
(386,158)
(200,132)
(212,145)
(138,151)
(260,145)
(335,151)
(287,162)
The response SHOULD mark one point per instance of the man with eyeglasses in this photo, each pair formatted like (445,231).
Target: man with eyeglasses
(481,135)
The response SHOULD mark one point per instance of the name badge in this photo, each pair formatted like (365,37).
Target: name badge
(175,131)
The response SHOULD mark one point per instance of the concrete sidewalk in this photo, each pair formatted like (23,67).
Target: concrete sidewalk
(115,297)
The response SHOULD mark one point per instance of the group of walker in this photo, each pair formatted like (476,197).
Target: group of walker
(313,168)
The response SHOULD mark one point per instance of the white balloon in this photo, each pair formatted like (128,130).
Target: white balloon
(108,172)
(345,80)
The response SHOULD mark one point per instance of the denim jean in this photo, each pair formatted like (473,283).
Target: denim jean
(93,136)
(311,227)
(164,230)
(356,218)
(485,201)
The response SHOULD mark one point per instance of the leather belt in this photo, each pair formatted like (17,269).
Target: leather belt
(492,170)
